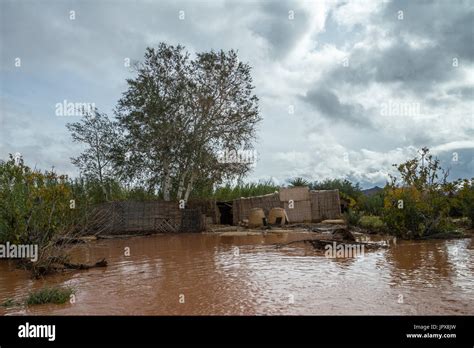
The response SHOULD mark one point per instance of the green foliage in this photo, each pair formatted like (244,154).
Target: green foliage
(34,205)
(417,206)
(464,198)
(94,192)
(182,115)
(102,139)
(299,182)
(344,186)
(373,204)
(372,223)
(228,192)
(140,194)
(54,295)
(41,207)
(352,217)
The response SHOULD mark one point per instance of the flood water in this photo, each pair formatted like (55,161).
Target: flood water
(208,274)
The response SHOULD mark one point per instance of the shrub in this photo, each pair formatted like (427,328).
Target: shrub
(34,206)
(373,223)
(55,295)
(352,217)
(372,205)
(418,205)
(465,196)
(298,181)
(345,187)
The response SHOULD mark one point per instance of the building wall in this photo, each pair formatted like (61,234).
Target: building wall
(131,217)
(297,203)
(208,207)
(325,205)
(307,205)
(301,211)
(159,216)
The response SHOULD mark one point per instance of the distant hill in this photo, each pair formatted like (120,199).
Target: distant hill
(372,191)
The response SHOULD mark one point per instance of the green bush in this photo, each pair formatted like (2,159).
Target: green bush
(55,295)
(344,186)
(372,205)
(373,223)
(352,217)
(34,205)
(298,181)
(417,206)
(465,196)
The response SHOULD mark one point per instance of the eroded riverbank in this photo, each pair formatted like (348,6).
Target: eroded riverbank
(229,274)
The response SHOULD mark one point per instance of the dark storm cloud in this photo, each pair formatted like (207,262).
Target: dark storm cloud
(465,92)
(100,36)
(330,106)
(274,25)
(414,56)
(448,27)
(418,70)
(448,23)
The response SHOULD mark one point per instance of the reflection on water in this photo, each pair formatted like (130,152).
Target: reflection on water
(209,274)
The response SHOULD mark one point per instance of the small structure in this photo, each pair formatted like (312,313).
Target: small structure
(257,218)
(299,203)
(241,207)
(277,216)
(290,205)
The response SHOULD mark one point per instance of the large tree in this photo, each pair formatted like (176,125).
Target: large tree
(179,115)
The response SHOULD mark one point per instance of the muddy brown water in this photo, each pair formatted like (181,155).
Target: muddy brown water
(208,274)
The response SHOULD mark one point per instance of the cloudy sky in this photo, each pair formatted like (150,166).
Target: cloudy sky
(346,88)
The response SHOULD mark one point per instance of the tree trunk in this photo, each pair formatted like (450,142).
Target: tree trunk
(101,178)
(181,185)
(166,183)
(190,186)
(167,187)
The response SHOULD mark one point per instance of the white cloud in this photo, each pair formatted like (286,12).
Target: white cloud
(356,12)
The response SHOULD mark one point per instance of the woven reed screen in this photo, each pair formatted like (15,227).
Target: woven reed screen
(138,217)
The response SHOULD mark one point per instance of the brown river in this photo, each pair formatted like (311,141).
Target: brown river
(209,274)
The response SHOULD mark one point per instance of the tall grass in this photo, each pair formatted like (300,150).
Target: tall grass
(228,192)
